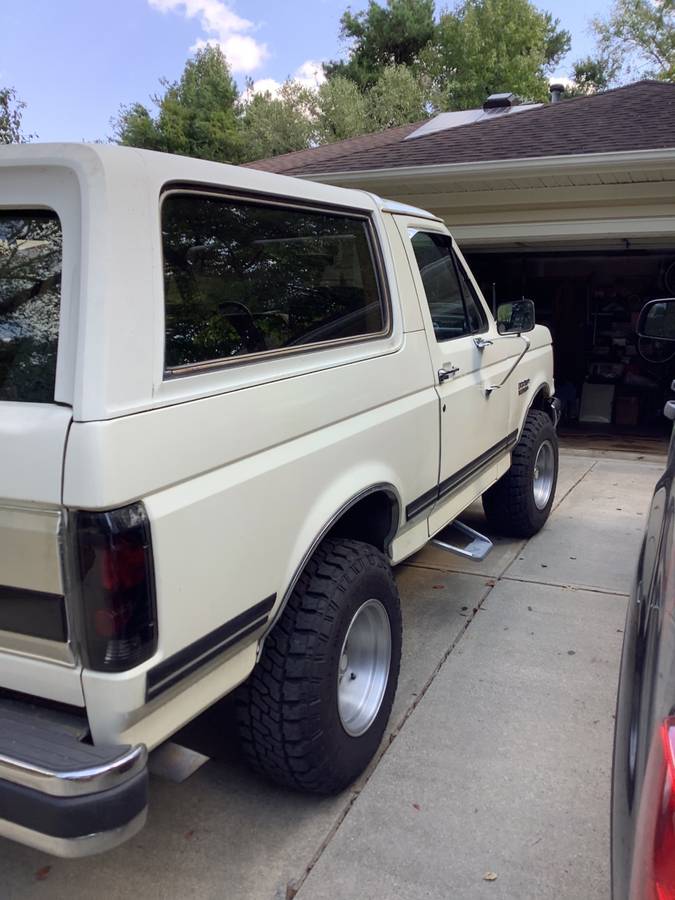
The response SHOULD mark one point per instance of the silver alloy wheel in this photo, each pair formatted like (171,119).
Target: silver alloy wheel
(544,470)
(363,670)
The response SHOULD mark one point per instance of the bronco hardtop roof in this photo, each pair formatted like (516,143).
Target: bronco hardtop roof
(104,167)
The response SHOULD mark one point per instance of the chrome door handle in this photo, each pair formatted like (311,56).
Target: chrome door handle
(444,374)
(482,343)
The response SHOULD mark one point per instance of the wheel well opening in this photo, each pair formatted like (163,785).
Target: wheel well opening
(373,519)
(541,402)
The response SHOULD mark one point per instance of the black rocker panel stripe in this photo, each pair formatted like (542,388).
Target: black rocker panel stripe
(178,666)
(454,482)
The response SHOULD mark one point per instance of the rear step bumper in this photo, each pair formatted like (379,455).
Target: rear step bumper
(62,796)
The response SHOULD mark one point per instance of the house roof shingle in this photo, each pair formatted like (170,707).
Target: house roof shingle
(639,116)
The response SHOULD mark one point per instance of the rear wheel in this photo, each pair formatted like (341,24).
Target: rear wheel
(519,504)
(314,710)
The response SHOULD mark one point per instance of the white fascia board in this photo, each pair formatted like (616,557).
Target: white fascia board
(649,226)
(506,167)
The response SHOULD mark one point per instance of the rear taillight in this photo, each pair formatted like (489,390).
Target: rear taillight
(653,870)
(114,568)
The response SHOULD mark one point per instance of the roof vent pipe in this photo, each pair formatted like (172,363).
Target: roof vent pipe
(557,91)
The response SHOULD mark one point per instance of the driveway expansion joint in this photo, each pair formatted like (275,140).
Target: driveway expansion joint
(566,587)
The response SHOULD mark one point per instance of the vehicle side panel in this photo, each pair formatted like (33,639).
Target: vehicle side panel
(233,509)
(646,694)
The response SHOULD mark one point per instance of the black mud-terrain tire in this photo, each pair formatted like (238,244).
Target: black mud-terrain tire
(287,712)
(509,504)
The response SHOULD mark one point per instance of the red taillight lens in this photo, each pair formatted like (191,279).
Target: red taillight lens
(113,562)
(653,870)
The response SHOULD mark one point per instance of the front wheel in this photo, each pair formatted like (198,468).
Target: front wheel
(314,710)
(519,504)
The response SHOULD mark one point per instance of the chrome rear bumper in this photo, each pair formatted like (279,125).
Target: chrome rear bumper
(62,796)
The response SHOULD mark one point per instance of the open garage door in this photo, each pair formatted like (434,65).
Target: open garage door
(590,298)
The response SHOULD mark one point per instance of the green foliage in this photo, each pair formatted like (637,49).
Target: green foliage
(135,127)
(397,97)
(342,110)
(196,116)
(402,66)
(11,113)
(590,75)
(383,36)
(273,125)
(638,38)
(490,46)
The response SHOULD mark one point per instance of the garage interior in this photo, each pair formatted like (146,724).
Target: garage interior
(590,298)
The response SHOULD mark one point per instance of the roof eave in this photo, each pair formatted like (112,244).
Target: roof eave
(503,167)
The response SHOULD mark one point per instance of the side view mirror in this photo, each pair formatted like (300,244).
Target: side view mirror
(515,317)
(656,330)
(657,320)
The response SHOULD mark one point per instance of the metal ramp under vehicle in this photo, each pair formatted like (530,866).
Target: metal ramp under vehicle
(473,544)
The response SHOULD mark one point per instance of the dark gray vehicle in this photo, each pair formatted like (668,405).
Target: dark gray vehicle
(643,778)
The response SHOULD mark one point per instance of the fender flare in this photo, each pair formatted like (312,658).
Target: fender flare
(543,389)
(397,506)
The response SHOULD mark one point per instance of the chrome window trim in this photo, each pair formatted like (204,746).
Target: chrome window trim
(171,372)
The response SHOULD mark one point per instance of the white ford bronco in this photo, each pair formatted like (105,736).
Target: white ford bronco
(230,403)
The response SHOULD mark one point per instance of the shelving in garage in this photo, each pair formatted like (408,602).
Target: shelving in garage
(590,299)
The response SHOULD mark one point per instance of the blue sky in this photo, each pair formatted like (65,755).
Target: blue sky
(75,61)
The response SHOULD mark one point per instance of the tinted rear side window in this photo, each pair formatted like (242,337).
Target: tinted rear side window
(30,291)
(245,278)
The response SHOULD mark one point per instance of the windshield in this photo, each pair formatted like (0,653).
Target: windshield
(30,289)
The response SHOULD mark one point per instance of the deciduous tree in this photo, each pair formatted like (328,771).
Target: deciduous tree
(590,75)
(638,37)
(271,125)
(342,110)
(397,97)
(491,46)
(11,114)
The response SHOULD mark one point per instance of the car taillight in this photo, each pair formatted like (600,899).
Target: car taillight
(653,870)
(114,567)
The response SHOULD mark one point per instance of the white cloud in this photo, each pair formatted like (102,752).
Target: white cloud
(309,74)
(223,27)
(264,86)
(565,80)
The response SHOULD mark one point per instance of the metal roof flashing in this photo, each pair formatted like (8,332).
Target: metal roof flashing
(447,120)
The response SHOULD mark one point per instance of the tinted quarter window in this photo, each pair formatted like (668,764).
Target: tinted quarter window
(246,277)
(433,253)
(30,290)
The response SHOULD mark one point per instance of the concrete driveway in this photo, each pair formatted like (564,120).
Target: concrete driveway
(497,759)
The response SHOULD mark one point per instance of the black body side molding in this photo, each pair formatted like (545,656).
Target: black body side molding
(459,479)
(173,669)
